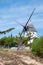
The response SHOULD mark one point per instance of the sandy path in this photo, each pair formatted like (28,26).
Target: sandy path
(28,60)
(18,57)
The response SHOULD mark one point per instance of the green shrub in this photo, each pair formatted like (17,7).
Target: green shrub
(7,41)
(37,47)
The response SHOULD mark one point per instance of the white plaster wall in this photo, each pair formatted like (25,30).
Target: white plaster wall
(33,34)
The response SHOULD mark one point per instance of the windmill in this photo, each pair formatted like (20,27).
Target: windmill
(27,27)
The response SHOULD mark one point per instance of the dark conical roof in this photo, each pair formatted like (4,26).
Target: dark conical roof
(31,27)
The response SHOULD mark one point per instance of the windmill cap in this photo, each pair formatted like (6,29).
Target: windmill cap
(31,27)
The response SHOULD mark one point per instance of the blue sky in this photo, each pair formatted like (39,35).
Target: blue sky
(20,10)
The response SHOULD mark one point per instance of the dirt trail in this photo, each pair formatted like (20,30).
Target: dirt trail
(28,60)
(17,58)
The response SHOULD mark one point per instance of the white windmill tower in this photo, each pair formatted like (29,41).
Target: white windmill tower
(31,31)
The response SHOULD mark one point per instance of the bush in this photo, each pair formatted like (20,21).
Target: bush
(37,47)
(7,41)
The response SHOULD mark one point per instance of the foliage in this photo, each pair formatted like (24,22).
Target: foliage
(37,46)
(24,40)
(7,41)
(13,41)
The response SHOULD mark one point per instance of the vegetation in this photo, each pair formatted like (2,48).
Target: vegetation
(37,47)
(13,41)
(7,42)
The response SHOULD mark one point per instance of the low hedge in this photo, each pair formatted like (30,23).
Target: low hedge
(37,47)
